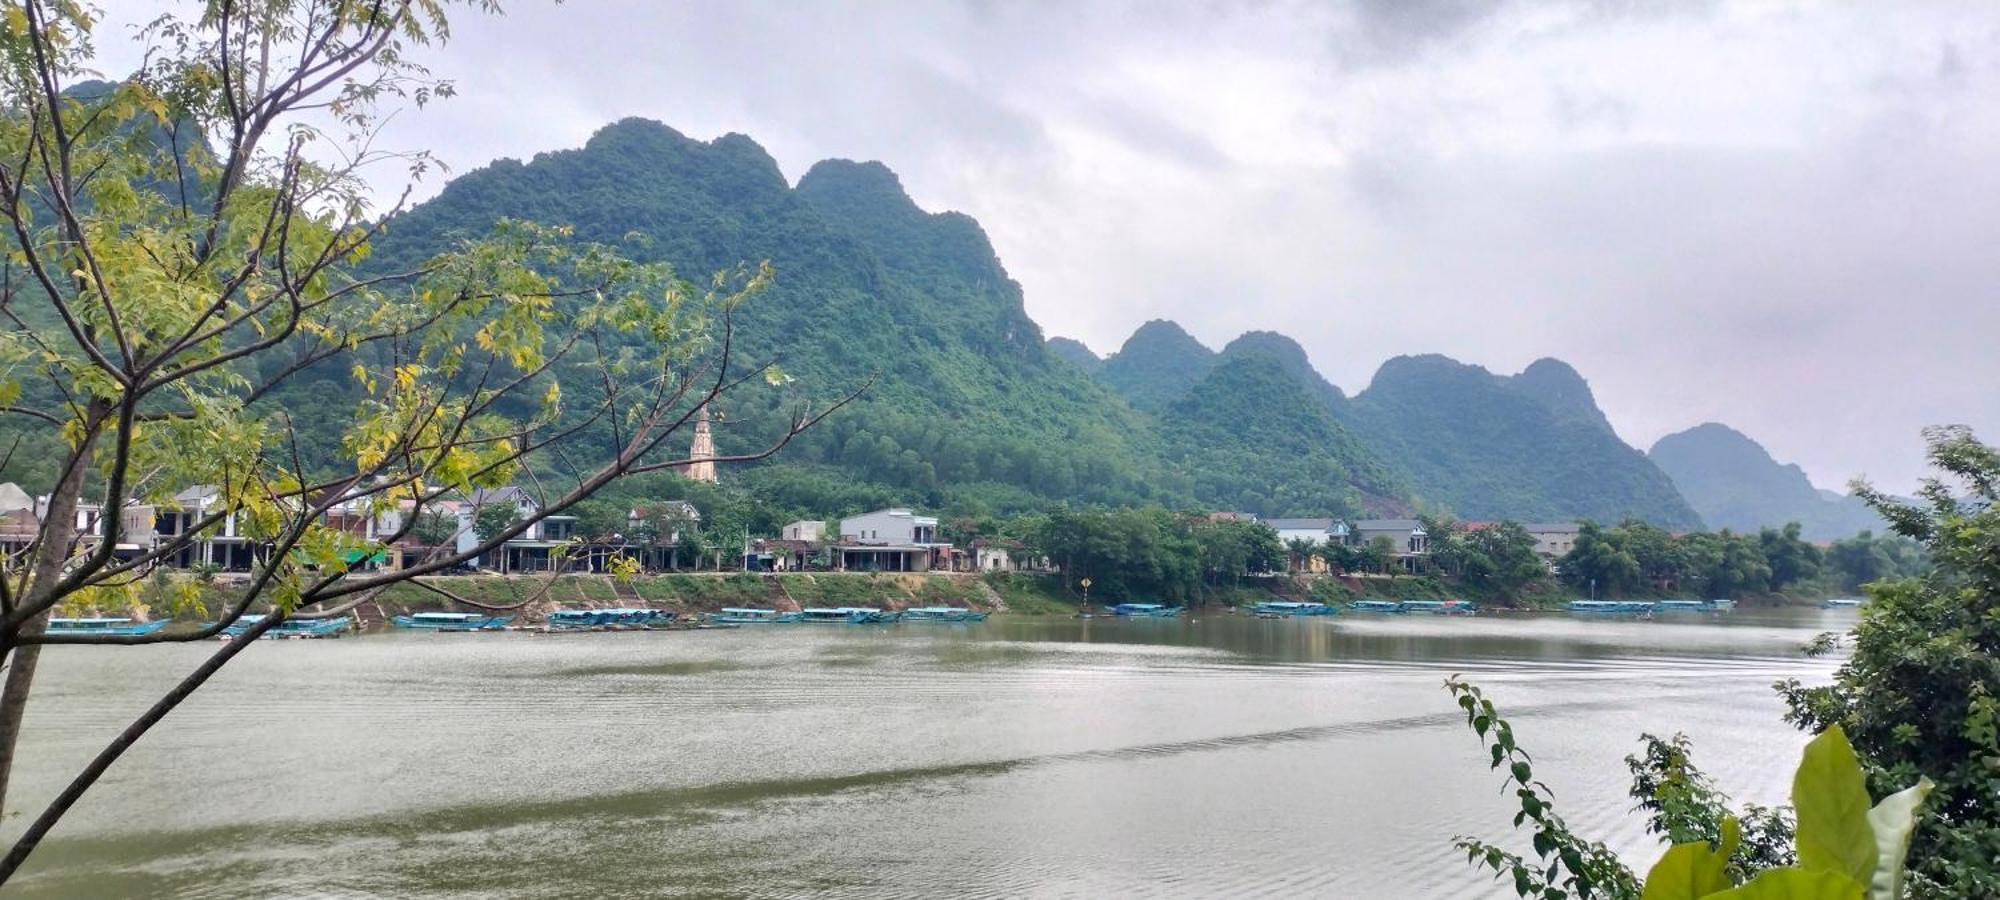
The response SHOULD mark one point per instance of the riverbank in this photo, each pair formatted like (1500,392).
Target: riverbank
(1018,593)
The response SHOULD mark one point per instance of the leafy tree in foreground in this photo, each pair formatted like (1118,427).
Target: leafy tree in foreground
(178,257)
(1920,694)
(1847,846)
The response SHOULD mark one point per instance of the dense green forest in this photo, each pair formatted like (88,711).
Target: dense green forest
(1484,447)
(1734,483)
(1440,434)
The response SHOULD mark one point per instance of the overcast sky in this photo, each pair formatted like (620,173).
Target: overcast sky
(1783,217)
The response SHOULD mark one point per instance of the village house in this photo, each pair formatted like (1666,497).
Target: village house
(1553,540)
(890,540)
(533,550)
(1408,542)
(220,545)
(18,523)
(1317,532)
(807,530)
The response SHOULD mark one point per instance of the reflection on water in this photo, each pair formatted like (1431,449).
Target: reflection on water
(1199,757)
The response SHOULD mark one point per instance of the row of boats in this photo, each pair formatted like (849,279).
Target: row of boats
(1647,607)
(842,615)
(1276,609)
(643,619)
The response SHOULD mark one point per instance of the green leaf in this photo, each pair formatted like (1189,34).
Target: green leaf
(1693,870)
(1832,802)
(1794,884)
(1893,819)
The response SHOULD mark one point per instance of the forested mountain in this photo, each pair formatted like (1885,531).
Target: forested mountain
(969,407)
(1077,354)
(971,410)
(1158,365)
(1254,436)
(1292,358)
(1562,390)
(1456,437)
(1488,447)
(1734,483)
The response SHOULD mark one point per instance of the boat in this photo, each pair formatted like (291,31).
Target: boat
(1841,603)
(942,614)
(745,615)
(1146,610)
(1683,606)
(104,625)
(1440,607)
(1722,604)
(1288,608)
(1610,607)
(1376,606)
(612,619)
(847,615)
(448,621)
(293,628)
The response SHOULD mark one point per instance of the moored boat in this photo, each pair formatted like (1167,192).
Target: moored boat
(942,614)
(1440,607)
(1287,608)
(1841,603)
(1610,607)
(612,619)
(1683,606)
(847,615)
(447,621)
(294,628)
(746,615)
(104,625)
(1376,606)
(1146,610)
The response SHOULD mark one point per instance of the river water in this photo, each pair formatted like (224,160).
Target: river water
(1212,756)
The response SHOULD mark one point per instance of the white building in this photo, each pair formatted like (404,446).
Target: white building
(890,540)
(531,550)
(807,530)
(1313,531)
(1553,540)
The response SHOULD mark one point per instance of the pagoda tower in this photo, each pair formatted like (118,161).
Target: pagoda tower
(701,454)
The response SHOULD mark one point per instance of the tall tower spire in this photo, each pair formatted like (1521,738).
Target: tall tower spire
(702,452)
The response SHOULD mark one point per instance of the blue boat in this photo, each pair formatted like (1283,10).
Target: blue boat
(1683,606)
(1291,608)
(448,621)
(1440,607)
(104,625)
(294,628)
(1387,607)
(1147,610)
(847,615)
(1610,607)
(743,615)
(1841,603)
(942,614)
(613,619)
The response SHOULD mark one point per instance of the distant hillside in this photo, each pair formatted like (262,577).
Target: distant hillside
(1526,448)
(969,406)
(1078,355)
(1158,365)
(1292,358)
(1253,436)
(1734,483)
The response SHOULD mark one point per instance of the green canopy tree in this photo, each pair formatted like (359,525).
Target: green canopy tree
(1920,696)
(187,242)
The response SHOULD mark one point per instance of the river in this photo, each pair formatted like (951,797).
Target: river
(1214,756)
